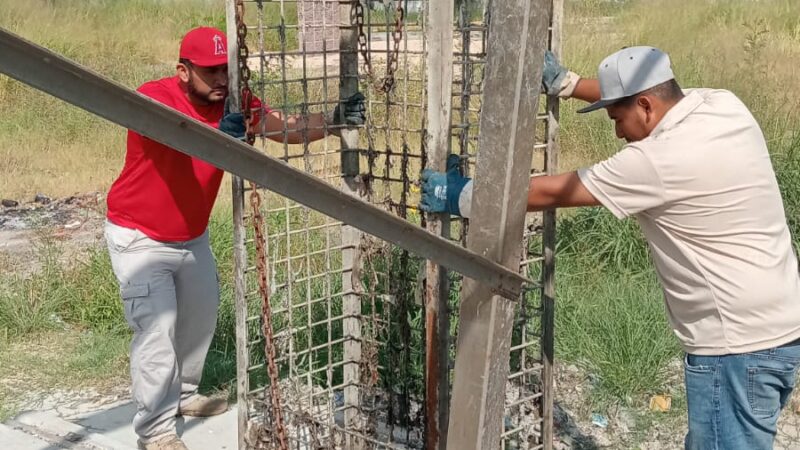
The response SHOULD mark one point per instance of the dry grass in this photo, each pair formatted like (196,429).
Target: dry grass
(31,369)
(750,48)
(47,146)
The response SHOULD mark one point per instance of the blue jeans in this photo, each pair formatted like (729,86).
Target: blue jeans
(734,400)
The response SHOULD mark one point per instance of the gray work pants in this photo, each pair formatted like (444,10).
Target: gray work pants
(170,295)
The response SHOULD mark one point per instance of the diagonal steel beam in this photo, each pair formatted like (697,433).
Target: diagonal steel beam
(67,80)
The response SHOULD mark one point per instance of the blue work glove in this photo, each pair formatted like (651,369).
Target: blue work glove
(232,124)
(553,74)
(351,109)
(441,191)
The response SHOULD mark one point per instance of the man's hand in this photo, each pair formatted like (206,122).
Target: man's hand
(232,124)
(553,74)
(442,192)
(556,79)
(350,111)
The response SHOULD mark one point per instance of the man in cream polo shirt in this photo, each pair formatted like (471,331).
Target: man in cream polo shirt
(696,174)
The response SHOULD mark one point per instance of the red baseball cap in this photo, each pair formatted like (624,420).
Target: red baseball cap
(205,47)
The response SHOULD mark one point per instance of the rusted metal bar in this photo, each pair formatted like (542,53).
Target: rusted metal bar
(351,237)
(549,245)
(439,68)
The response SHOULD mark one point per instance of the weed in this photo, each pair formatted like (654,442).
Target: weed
(32,303)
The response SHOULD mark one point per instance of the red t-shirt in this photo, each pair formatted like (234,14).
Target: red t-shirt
(166,194)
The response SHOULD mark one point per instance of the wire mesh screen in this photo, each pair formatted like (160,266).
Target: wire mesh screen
(347,309)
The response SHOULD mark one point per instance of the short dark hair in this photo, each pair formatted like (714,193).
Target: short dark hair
(185,62)
(668,90)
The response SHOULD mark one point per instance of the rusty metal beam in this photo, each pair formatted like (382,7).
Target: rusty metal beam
(439,82)
(549,245)
(351,237)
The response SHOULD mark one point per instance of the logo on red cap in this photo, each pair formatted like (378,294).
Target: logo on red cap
(205,46)
(219,47)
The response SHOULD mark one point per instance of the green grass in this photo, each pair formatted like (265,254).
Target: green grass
(98,356)
(31,304)
(83,294)
(787,167)
(63,325)
(610,314)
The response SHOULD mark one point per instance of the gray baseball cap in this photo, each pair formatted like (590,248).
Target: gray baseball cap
(629,72)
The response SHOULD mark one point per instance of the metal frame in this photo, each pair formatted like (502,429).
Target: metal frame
(548,284)
(359,317)
(239,249)
(439,70)
(530,336)
(530,383)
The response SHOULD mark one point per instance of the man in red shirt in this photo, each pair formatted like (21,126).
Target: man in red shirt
(158,213)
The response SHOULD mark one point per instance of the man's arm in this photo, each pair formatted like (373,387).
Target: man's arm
(558,191)
(297,128)
(313,126)
(587,89)
(451,192)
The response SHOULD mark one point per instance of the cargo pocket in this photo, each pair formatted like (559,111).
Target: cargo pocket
(136,305)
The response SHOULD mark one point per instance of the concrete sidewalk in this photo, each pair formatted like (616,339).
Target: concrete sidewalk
(109,429)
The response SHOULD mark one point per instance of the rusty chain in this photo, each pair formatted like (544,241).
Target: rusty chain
(385,84)
(258,229)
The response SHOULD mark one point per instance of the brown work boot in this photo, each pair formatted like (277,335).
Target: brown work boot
(203,406)
(170,441)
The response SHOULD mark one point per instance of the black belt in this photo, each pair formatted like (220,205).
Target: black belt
(791,344)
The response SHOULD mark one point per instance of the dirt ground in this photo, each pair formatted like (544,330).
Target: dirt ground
(74,223)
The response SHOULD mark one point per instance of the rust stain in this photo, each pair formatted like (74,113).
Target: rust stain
(431,367)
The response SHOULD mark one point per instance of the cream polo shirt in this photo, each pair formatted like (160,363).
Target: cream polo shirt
(704,192)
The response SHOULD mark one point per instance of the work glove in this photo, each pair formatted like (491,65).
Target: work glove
(556,79)
(232,124)
(351,109)
(446,192)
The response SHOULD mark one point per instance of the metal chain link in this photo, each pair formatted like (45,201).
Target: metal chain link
(244,69)
(386,84)
(258,229)
(266,318)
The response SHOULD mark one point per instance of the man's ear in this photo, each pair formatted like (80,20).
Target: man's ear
(183,72)
(647,105)
(645,102)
